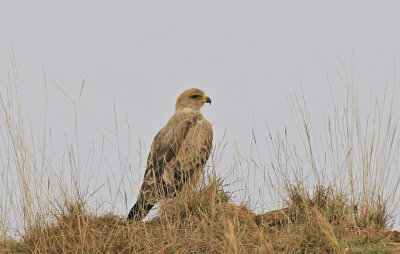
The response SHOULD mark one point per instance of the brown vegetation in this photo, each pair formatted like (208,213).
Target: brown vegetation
(206,222)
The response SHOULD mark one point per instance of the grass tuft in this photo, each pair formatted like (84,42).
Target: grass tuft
(206,221)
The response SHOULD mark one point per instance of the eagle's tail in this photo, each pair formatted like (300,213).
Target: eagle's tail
(140,209)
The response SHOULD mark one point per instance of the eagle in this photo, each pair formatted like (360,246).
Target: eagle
(178,154)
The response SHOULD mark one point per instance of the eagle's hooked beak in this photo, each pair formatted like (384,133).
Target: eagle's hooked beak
(208,100)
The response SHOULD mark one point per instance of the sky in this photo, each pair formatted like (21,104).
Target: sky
(136,57)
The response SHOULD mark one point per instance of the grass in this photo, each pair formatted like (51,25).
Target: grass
(337,196)
(205,221)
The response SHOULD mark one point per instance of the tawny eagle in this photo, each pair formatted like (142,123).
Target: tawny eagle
(178,154)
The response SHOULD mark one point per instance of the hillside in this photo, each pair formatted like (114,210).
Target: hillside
(206,221)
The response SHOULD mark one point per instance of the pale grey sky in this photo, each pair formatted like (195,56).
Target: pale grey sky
(248,56)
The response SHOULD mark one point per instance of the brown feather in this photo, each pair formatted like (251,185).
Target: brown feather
(177,158)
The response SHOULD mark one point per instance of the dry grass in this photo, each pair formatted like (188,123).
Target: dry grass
(338,196)
(205,221)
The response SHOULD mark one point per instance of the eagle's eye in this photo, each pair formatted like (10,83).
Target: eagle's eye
(195,96)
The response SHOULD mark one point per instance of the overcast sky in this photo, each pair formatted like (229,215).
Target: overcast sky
(248,56)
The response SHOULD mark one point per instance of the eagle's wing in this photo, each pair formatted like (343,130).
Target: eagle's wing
(179,151)
(164,150)
(187,167)
(163,153)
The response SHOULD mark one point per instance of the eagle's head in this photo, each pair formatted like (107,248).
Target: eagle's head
(192,98)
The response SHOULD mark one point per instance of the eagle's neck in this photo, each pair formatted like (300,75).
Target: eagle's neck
(188,113)
(187,110)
